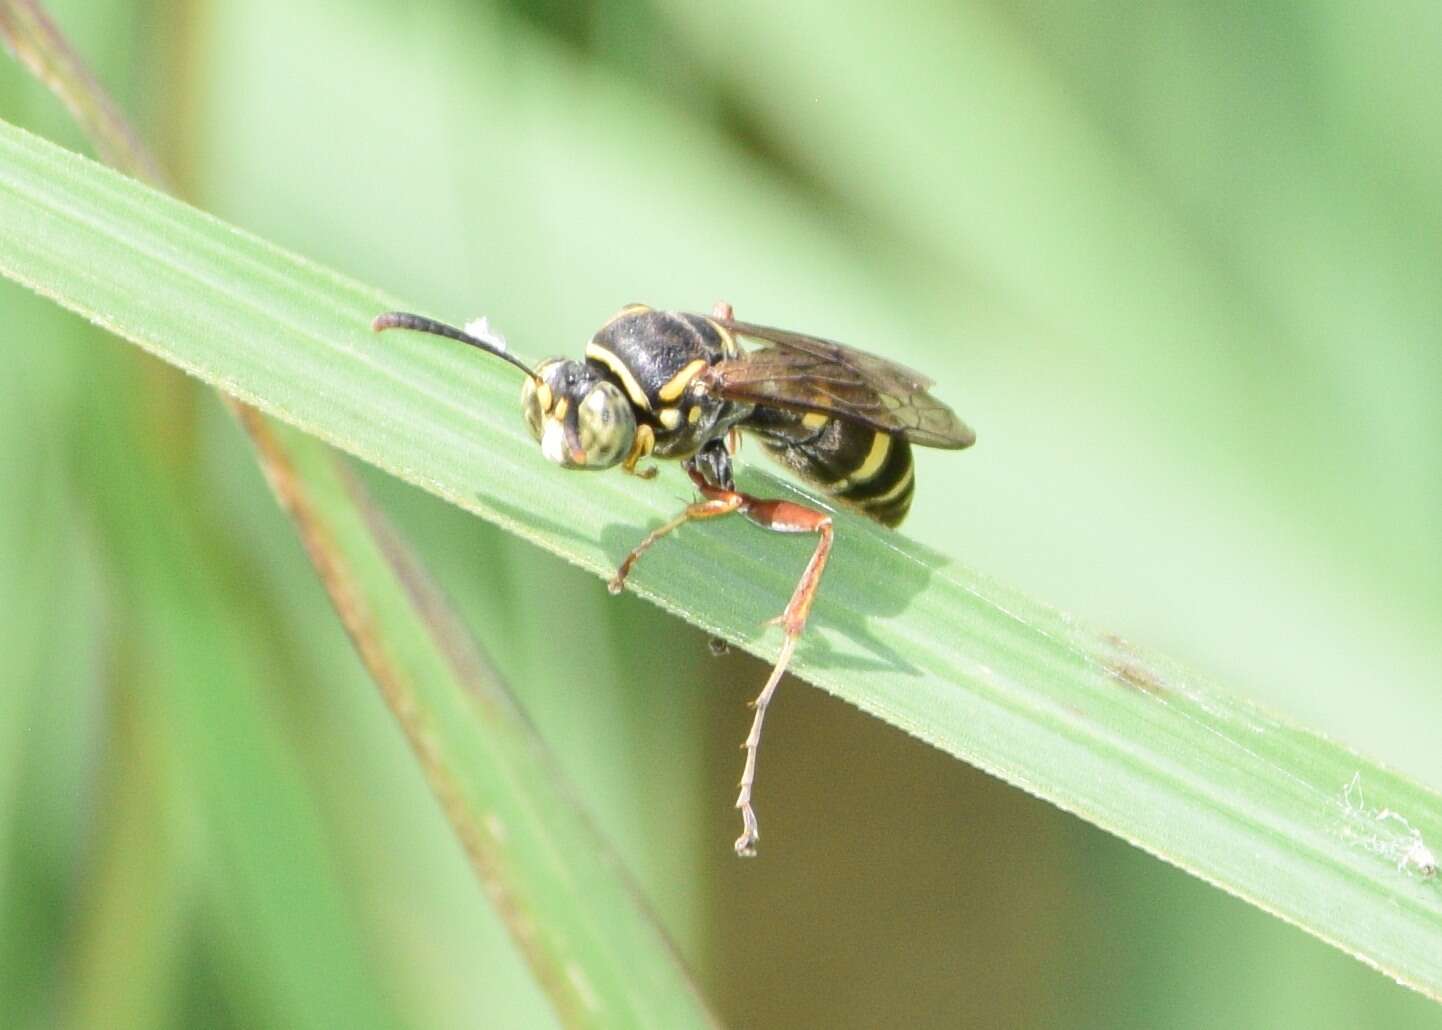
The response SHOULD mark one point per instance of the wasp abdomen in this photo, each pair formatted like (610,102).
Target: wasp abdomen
(865,469)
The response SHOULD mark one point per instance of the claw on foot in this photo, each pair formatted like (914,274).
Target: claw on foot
(746,844)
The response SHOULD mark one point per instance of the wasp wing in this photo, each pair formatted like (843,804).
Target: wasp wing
(806,373)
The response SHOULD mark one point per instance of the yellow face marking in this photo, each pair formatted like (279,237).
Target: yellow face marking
(880,448)
(543,395)
(677,384)
(814,420)
(670,417)
(553,441)
(562,406)
(694,415)
(596,352)
(728,342)
(895,492)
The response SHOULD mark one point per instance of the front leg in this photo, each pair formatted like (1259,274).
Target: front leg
(641,447)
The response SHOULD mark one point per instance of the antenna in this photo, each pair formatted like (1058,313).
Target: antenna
(421,324)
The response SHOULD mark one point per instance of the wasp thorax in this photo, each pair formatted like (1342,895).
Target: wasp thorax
(582,420)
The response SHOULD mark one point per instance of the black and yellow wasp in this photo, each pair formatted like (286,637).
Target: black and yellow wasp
(679,386)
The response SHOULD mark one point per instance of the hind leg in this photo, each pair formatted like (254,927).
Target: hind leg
(780,517)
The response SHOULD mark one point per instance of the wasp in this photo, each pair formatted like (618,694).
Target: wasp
(670,385)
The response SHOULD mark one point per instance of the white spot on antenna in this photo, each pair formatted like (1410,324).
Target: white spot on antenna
(1367,828)
(482,329)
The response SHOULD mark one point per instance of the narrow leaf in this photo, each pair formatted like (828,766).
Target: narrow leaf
(598,952)
(1133,743)
(591,941)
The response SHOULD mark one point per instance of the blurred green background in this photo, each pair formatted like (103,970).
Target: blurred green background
(1178,265)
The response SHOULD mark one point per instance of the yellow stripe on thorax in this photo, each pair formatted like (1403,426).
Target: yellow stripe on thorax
(618,368)
(629,309)
(677,384)
(729,346)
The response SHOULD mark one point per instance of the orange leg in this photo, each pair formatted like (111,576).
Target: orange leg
(782,517)
(723,503)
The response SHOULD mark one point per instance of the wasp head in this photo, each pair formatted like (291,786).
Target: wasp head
(581,419)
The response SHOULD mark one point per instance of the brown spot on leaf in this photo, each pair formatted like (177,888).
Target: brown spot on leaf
(1128,667)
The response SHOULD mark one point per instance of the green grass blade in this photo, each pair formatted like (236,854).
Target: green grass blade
(593,945)
(290,938)
(597,951)
(1132,743)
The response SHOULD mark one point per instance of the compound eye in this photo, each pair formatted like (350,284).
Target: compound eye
(606,425)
